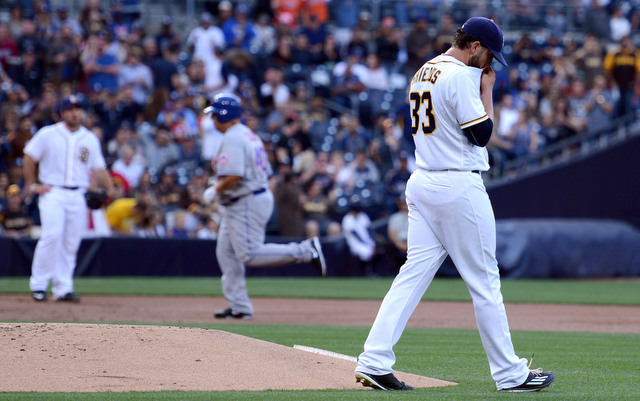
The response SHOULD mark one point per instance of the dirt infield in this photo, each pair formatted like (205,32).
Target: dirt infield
(100,357)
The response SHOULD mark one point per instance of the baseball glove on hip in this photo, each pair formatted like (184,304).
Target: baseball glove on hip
(96,199)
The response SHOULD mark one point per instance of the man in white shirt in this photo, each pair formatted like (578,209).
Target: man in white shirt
(205,38)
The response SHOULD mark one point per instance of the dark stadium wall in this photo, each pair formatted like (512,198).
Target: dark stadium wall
(601,186)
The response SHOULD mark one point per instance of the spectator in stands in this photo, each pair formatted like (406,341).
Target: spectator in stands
(315,31)
(166,37)
(14,220)
(274,86)
(395,180)
(507,115)
(150,225)
(239,69)
(397,232)
(619,25)
(181,120)
(62,19)
(301,52)
(287,13)
(179,228)
(356,226)
(419,45)
(577,99)
(348,78)
(127,165)
(209,227)
(317,209)
(30,39)
(622,66)
(346,15)
(167,190)
(124,214)
(360,173)
(136,74)
(289,203)
(596,20)
(225,12)
(205,38)
(114,147)
(265,41)
(352,136)
(101,67)
(8,47)
(589,59)
(377,77)
(599,105)
(329,56)
(159,149)
(444,35)
(238,30)
(524,136)
(28,73)
(387,42)
(63,55)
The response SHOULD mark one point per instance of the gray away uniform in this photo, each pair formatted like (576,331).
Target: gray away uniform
(247,209)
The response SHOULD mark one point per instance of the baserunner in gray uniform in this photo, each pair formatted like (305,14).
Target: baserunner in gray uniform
(242,171)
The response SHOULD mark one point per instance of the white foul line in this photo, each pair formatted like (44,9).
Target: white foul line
(326,353)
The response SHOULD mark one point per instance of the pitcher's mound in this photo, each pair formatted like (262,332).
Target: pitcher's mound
(99,357)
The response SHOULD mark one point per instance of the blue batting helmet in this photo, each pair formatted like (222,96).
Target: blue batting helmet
(226,107)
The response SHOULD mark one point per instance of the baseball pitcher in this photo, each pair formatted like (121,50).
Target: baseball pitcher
(451,105)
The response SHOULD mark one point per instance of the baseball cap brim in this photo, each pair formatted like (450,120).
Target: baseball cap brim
(498,56)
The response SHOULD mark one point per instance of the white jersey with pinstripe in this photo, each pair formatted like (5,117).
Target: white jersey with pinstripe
(65,158)
(444,98)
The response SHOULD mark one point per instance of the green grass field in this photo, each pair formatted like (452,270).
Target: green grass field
(589,366)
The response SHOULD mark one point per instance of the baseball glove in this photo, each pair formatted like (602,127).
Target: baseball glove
(96,199)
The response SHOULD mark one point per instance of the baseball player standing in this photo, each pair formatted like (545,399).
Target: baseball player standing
(450,213)
(242,172)
(66,154)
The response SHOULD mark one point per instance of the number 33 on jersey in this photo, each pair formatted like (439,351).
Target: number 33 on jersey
(444,98)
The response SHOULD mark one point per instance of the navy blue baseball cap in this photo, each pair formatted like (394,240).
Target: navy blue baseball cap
(487,32)
(69,102)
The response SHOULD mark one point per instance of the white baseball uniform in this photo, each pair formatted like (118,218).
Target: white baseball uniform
(247,209)
(65,161)
(449,214)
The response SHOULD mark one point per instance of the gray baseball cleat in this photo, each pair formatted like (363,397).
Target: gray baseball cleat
(381,382)
(318,257)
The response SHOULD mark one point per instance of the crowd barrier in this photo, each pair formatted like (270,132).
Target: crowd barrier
(526,248)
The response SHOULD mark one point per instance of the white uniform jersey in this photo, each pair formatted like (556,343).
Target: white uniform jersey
(444,98)
(242,153)
(65,158)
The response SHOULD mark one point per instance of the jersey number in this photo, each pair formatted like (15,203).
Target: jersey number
(416,101)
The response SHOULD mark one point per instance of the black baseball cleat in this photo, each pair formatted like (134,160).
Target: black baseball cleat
(69,297)
(39,296)
(228,314)
(536,381)
(381,382)
(318,257)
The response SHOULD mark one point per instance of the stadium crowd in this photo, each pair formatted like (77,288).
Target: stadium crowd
(323,83)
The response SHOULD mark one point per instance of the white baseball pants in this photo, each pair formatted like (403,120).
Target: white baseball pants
(63,216)
(449,213)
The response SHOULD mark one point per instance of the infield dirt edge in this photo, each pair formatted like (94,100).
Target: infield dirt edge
(79,357)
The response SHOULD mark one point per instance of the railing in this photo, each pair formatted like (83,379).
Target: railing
(565,151)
